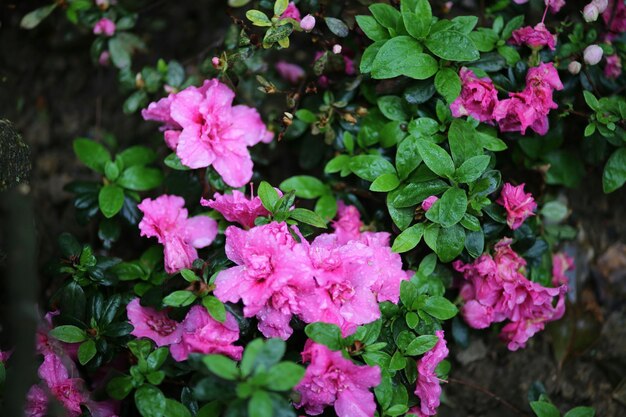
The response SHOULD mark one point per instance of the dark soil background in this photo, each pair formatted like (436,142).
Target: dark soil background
(52,93)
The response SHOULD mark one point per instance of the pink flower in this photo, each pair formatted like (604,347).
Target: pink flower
(291,12)
(68,391)
(518,204)
(330,379)
(201,333)
(155,325)
(308,23)
(104,27)
(591,13)
(428,202)
(5,355)
(561,263)
(205,129)
(271,272)
(428,389)
(166,219)
(555,5)
(592,54)
(348,224)
(36,402)
(534,37)
(104,58)
(617,19)
(613,68)
(290,72)
(237,208)
(477,99)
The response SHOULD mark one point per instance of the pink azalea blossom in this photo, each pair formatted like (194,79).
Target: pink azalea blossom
(201,333)
(561,263)
(330,379)
(104,58)
(554,5)
(166,219)
(205,129)
(291,12)
(534,37)
(36,402)
(235,207)
(428,389)
(68,391)
(348,224)
(428,202)
(308,23)
(155,325)
(518,204)
(290,72)
(5,355)
(617,19)
(104,27)
(613,68)
(477,99)
(593,54)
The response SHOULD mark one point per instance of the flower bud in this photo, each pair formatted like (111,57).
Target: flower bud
(592,54)
(574,67)
(336,49)
(591,13)
(308,23)
(601,5)
(216,62)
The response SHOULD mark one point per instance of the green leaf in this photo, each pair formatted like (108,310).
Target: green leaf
(449,209)
(448,84)
(372,29)
(189,275)
(408,239)
(175,409)
(421,345)
(475,243)
(484,39)
(403,55)
(222,366)
(386,15)
(450,242)
(614,175)
(137,155)
(156,358)
(512,25)
(307,116)
(435,158)
(139,178)
(173,161)
(308,217)
(86,351)
(392,108)
(215,307)
(370,167)
(337,26)
(150,401)
(463,142)
(92,154)
(181,298)
(32,19)
(472,169)
(110,200)
(326,207)
(417,17)
(284,376)
(135,101)
(327,334)
(510,55)
(452,45)
(305,186)
(260,405)
(119,387)
(491,143)
(258,18)
(367,59)
(544,409)
(581,412)
(120,52)
(407,156)
(591,100)
(385,183)
(214,408)
(554,211)
(268,195)
(440,307)
(68,334)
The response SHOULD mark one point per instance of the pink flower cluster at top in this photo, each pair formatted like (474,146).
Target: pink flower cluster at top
(166,219)
(518,204)
(534,37)
(554,5)
(331,379)
(339,278)
(204,129)
(613,68)
(615,16)
(528,108)
(428,389)
(235,207)
(104,27)
(197,333)
(496,290)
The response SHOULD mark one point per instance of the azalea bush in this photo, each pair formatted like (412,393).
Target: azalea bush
(327,202)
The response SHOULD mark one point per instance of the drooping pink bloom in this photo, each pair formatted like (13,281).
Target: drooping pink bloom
(348,224)
(272,271)
(613,68)
(518,204)
(68,391)
(104,27)
(330,379)
(166,219)
(205,129)
(428,202)
(534,37)
(561,263)
(290,72)
(428,389)
(616,21)
(554,5)
(36,402)
(291,12)
(201,333)
(477,99)
(237,208)
(5,355)
(155,325)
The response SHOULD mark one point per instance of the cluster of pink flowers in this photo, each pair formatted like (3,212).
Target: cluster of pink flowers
(553,5)
(615,16)
(613,68)
(339,278)
(204,129)
(166,219)
(528,108)
(197,333)
(428,389)
(518,204)
(331,379)
(307,23)
(104,27)
(496,290)
(534,37)
(235,207)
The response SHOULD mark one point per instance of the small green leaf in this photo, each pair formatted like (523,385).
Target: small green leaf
(440,308)
(408,239)
(258,18)
(385,183)
(119,387)
(448,84)
(189,275)
(472,169)
(110,200)
(280,6)
(452,46)
(32,19)
(222,366)
(68,334)
(513,24)
(179,298)
(92,154)
(284,376)
(215,308)
(120,52)
(417,17)
(260,405)
(403,55)
(614,175)
(86,351)
(268,195)
(581,412)
(175,409)
(544,409)
(305,186)
(372,29)
(370,167)
(308,217)
(173,161)
(326,334)
(435,158)
(139,178)
(337,26)
(137,155)
(421,345)
(150,401)
(450,242)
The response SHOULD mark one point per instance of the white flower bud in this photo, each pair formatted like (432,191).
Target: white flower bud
(574,67)
(592,54)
